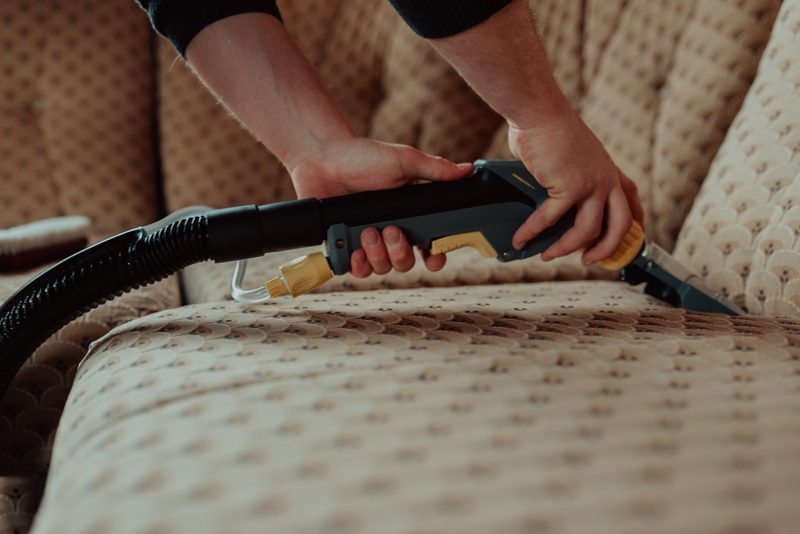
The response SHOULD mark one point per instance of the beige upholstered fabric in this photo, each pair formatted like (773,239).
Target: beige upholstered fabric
(76,113)
(744,230)
(667,84)
(210,282)
(561,407)
(76,128)
(32,406)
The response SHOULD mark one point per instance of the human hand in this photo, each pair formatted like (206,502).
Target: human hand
(571,163)
(359,164)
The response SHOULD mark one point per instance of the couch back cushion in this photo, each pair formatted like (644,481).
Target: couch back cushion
(743,231)
(76,115)
(660,82)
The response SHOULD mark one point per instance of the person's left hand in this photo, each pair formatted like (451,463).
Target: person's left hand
(359,164)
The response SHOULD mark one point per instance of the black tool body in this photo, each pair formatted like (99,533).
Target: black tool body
(494,201)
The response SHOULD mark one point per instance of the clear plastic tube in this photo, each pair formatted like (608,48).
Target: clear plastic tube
(240,294)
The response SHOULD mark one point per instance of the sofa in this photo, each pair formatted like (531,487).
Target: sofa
(519,397)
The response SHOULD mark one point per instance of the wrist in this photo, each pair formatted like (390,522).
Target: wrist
(312,146)
(541,112)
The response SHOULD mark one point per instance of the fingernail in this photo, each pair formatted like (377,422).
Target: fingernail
(517,245)
(392,235)
(464,165)
(371,237)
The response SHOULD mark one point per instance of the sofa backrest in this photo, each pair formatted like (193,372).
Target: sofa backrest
(76,113)
(666,86)
(743,231)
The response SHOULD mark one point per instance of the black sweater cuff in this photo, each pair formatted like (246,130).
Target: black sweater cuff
(434,19)
(181,20)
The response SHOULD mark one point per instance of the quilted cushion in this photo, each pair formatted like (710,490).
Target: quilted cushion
(560,407)
(31,408)
(667,85)
(76,113)
(744,230)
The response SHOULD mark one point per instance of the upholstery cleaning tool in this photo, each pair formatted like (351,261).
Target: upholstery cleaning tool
(482,211)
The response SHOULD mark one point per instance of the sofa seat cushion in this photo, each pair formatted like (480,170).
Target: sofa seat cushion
(556,407)
(30,410)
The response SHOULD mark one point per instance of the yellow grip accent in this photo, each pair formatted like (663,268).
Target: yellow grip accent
(301,275)
(467,239)
(627,250)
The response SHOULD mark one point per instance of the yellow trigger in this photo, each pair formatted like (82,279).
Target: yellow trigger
(468,239)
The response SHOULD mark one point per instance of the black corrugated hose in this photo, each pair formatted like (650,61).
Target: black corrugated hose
(142,256)
(89,278)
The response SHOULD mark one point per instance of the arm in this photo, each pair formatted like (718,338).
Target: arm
(504,61)
(251,64)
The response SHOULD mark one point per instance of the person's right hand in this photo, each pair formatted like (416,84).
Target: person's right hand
(569,161)
(359,164)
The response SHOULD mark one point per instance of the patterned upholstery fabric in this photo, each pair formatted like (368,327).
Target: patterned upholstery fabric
(547,407)
(744,230)
(210,282)
(556,407)
(76,122)
(76,114)
(667,85)
(32,406)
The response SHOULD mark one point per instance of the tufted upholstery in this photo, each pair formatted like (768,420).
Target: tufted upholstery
(76,122)
(560,407)
(32,406)
(547,407)
(744,230)
(76,114)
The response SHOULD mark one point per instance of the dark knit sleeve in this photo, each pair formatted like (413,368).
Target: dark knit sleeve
(180,20)
(434,19)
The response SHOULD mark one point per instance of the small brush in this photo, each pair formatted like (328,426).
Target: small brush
(31,245)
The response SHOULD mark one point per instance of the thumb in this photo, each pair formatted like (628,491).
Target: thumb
(417,164)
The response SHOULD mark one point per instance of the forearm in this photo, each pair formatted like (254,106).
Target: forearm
(505,63)
(251,64)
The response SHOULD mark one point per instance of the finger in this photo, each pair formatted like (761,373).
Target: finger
(632,194)
(545,216)
(400,254)
(376,251)
(588,226)
(359,266)
(417,164)
(433,262)
(618,222)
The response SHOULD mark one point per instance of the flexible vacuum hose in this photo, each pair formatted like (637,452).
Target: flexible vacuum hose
(89,278)
(140,257)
